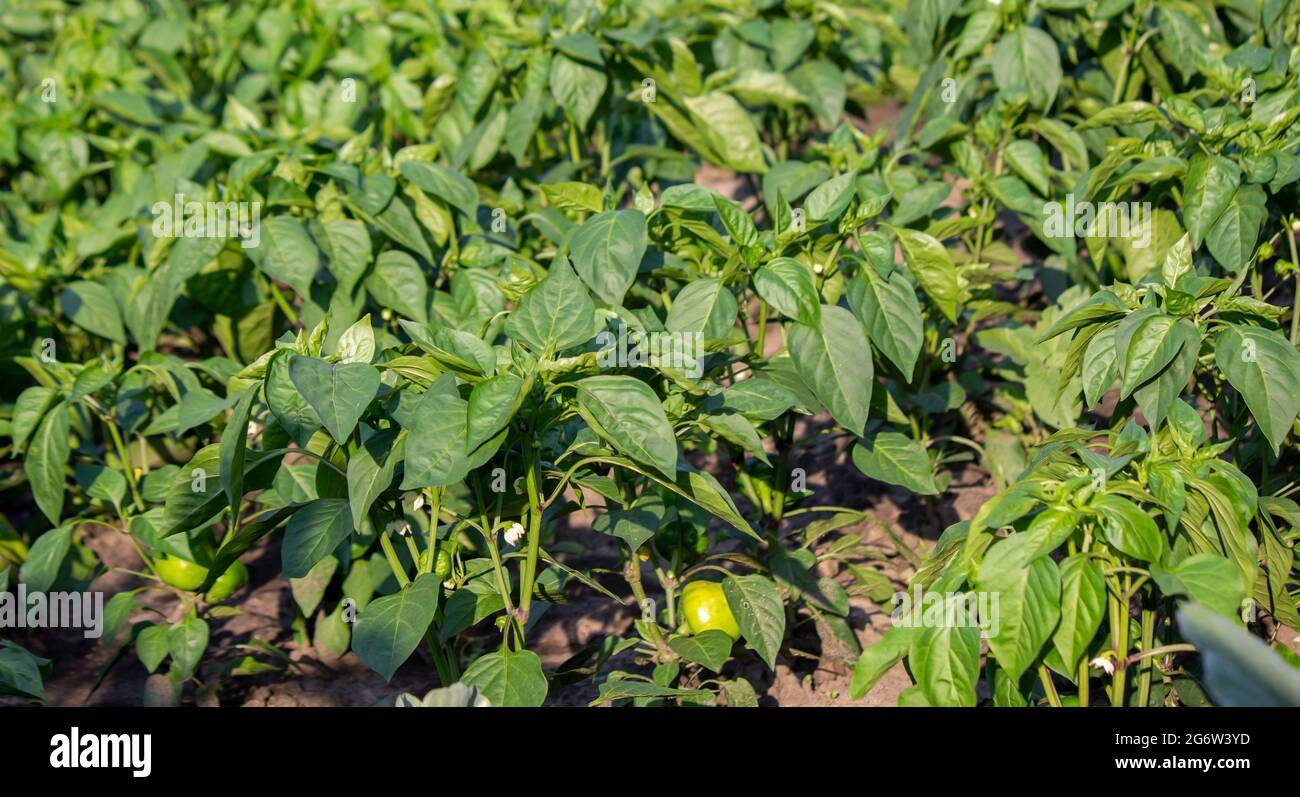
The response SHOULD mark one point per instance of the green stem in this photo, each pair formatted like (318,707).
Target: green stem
(534,533)
(1295,263)
(125,460)
(1144,673)
(1045,676)
(393,562)
(1083,682)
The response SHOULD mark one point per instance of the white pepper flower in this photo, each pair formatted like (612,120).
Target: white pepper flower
(398,527)
(514,534)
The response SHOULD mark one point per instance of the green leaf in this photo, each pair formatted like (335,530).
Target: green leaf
(896,459)
(1145,342)
(29,409)
(1125,113)
(708,649)
(20,671)
(451,187)
(1028,588)
(705,307)
(829,359)
(338,393)
(624,411)
(932,266)
(577,88)
(397,282)
(879,658)
(287,403)
(1208,187)
(945,661)
(1130,530)
(1083,606)
(91,306)
(290,254)
(234,447)
(728,129)
(41,568)
(186,642)
(509,678)
(788,286)
(47,457)
(1233,236)
(1265,369)
(1207,578)
(370,470)
(491,406)
(1027,160)
(435,445)
(1028,58)
(606,250)
(313,533)
(756,604)
(557,312)
(1240,670)
(889,310)
(389,629)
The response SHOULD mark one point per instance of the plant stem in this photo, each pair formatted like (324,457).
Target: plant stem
(120,446)
(1295,300)
(534,533)
(1045,675)
(1083,682)
(1144,674)
(393,562)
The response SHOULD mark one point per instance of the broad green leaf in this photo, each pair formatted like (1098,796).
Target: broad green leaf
(1130,530)
(945,661)
(729,130)
(47,457)
(1083,606)
(1208,187)
(879,658)
(577,88)
(451,187)
(91,306)
(1145,342)
(625,411)
(932,266)
(41,568)
(290,254)
(509,678)
(1028,590)
(606,250)
(896,459)
(1265,369)
(1232,238)
(370,470)
(757,606)
(491,406)
(313,533)
(1028,58)
(788,286)
(709,648)
(833,360)
(435,445)
(889,310)
(705,307)
(557,312)
(338,393)
(1207,578)
(1239,668)
(389,629)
